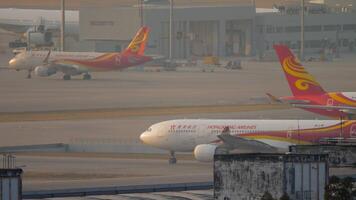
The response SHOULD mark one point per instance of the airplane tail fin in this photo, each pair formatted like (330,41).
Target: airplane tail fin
(300,81)
(138,43)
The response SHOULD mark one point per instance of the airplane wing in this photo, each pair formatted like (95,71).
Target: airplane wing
(274,99)
(236,142)
(65,68)
(345,109)
(51,67)
(59,66)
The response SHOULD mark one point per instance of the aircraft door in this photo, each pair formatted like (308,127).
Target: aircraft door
(353,131)
(201,135)
(330,102)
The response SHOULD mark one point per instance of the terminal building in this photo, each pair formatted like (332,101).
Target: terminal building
(224,30)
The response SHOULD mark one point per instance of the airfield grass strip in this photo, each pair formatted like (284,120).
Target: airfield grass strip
(129,112)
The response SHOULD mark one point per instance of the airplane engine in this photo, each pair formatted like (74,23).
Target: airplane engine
(205,152)
(44,71)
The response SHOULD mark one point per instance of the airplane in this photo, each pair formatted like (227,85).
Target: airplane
(308,93)
(47,63)
(205,136)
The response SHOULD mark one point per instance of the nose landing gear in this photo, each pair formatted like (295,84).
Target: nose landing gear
(172,159)
(29,76)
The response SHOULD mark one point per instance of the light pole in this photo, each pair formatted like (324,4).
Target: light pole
(302,30)
(171,31)
(63,25)
(140,5)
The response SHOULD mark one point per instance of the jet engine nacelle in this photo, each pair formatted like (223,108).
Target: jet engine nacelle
(44,71)
(205,152)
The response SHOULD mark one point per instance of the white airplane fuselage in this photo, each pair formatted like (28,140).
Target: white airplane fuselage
(28,60)
(184,135)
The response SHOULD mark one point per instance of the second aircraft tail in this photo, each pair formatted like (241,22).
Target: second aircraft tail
(300,81)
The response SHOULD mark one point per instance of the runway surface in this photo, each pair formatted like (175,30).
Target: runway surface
(132,90)
(64,171)
(152,89)
(61,172)
(114,131)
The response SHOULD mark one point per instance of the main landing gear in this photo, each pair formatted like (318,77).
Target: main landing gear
(66,77)
(86,77)
(29,74)
(172,159)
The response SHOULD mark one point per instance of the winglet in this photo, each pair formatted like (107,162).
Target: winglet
(45,61)
(138,43)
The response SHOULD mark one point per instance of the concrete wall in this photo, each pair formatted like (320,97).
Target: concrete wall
(247,179)
(249,176)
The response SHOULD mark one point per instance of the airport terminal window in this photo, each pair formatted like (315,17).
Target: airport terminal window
(270,29)
(313,28)
(345,42)
(279,29)
(349,27)
(102,23)
(290,29)
(314,43)
(331,27)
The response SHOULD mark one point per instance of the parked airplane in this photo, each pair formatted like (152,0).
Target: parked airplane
(204,136)
(308,93)
(47,63)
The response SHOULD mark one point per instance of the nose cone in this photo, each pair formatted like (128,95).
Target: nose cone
(12,63)
(144,137)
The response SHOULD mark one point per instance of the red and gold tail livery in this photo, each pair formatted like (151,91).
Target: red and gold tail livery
(300,81)
(308,94)
(138,43)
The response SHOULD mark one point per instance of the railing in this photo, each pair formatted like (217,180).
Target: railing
(117,190)
(8,161)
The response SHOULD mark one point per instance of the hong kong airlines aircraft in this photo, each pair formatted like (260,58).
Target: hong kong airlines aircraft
(47,63)
(308,93)
(204,136)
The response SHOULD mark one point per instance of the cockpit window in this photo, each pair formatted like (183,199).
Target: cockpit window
(149,129)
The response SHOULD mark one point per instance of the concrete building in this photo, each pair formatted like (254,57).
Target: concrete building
(324,28)
(249,176)
(198,31)
(221,30)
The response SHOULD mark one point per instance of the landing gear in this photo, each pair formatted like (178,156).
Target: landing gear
(172,159)
(86,77)
(66,77)
(29,74)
